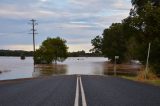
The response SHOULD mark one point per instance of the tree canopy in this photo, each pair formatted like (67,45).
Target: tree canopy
(97,43)
(129,39)
(114,41)
(51,50)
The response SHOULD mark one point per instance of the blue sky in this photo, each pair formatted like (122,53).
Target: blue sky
(77,21)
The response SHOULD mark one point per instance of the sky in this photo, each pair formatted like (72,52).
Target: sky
(76,21)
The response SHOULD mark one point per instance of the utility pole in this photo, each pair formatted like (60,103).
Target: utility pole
(146,70)
(115,62)
(33,23)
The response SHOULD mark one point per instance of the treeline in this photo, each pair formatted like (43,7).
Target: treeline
(130,39)
(30,53)
(83,54)
(15,53)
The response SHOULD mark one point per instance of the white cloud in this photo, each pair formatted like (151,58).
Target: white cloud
(18,47)
(43,0)
(16,13)
(72,47)
(77,21)
(78,47)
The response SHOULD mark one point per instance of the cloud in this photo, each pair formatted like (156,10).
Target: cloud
(79,47)
(77,21)
(99,5)
(16,13)
(121,5)
(44,0)
(18,47)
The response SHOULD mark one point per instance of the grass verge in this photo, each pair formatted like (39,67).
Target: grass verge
(155,82)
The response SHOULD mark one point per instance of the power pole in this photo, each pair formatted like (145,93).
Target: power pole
(33,23)
(146,70)
(115,67)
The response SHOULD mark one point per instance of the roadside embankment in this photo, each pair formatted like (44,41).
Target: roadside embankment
(135,72)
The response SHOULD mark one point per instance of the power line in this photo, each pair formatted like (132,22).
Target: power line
(34,32)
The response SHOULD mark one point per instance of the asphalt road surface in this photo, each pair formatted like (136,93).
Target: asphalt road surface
(76,90)
(52,91)
(109,91)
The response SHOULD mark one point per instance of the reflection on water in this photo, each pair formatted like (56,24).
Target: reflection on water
(49,70)
(14,67)
(84,65)
(81,65)
(18,68)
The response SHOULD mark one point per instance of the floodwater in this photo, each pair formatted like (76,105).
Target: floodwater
(14,67)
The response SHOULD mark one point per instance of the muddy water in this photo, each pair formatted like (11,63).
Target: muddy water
(13,67)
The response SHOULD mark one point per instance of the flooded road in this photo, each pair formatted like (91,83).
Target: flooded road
(14,67)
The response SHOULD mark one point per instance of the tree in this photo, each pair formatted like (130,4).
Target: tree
(147,23)
(139,5)
(114,42)
(97,45)
(51,50)
(130,39)
(151,18)
(132,33)
(77,54)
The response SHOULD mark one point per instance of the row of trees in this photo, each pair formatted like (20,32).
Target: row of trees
(129,39)
(15,53)
(83,54)
(55,49)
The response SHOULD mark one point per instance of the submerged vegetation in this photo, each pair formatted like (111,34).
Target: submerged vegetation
(51,50)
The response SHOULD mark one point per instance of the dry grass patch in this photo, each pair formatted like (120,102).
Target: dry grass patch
(149,75)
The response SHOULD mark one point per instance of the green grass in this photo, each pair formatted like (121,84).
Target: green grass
(154,82)
(128,77)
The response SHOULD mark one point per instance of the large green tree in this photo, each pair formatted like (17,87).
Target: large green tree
(130,39)
(151,33)
(139,5)
(145,19)
(97,45)
(114,42)
(51,50)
